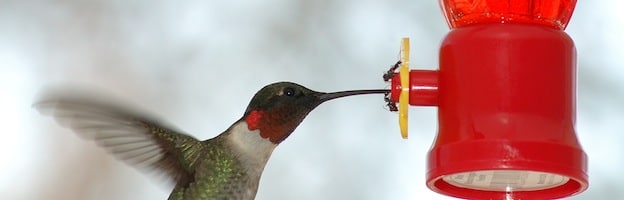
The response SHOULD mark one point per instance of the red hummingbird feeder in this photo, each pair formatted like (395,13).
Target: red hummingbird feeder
(506,97)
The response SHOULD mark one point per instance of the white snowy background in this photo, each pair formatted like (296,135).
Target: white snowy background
(197,64)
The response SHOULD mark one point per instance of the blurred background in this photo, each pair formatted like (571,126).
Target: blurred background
(198,63)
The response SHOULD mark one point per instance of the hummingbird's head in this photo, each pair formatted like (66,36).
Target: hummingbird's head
(277,109)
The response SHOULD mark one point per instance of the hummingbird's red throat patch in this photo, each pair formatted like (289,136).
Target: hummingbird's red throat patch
(269,124)
(253,119)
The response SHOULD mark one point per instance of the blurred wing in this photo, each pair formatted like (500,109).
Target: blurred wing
(133,138)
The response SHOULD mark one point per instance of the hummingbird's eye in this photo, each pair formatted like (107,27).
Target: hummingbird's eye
(288,91)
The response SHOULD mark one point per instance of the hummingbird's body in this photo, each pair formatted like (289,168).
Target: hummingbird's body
(228,166)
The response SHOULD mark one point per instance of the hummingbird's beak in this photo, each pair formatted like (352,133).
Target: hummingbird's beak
(333,95)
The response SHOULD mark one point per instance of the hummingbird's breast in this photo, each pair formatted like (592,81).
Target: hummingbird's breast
(230,168)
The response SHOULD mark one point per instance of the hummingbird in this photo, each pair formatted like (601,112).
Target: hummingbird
(228,166)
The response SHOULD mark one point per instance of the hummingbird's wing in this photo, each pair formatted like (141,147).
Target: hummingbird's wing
(132,137)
